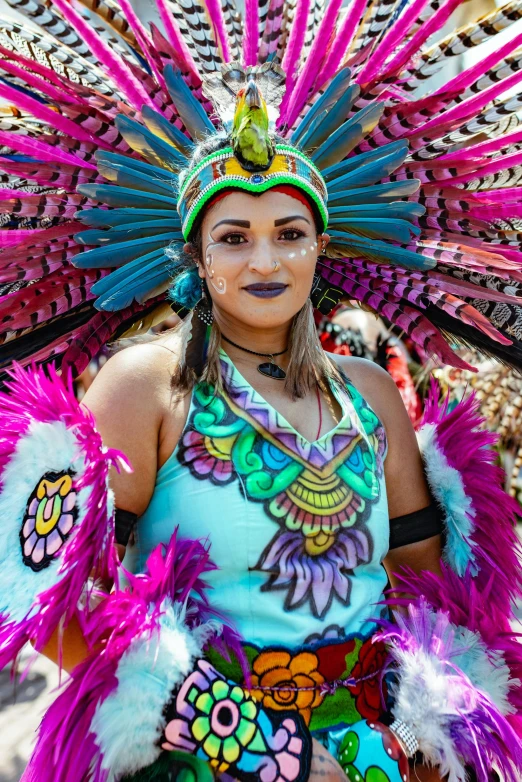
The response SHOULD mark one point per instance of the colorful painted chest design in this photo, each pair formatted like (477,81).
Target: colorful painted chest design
(319,494)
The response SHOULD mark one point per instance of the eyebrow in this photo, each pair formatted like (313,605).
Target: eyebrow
(246,223)
(238,223)
(285,220)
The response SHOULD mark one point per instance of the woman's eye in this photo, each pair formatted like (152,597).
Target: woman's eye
(233,239)
(291,235)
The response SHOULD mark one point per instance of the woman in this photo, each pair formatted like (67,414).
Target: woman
(301,470)
(260,255)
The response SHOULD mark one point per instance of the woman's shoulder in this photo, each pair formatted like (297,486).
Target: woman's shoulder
(374,384)
(364,372)
(137,377)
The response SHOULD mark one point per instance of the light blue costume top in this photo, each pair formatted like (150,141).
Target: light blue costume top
(298,530)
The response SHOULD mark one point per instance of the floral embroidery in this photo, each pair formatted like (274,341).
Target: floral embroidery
(283,682)
(319,494)
(369,691)
(49,518)
(222,724)
(326,684)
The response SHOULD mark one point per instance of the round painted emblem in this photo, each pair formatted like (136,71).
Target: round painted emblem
(48,520)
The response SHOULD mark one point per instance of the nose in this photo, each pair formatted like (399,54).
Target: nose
(263,259)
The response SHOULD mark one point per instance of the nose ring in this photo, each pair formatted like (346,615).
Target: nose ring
(277,266)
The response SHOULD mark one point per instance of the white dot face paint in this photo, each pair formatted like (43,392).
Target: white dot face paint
(219,284)
(291,255)
(303,252)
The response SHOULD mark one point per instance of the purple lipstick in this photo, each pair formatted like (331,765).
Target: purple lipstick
(266,290)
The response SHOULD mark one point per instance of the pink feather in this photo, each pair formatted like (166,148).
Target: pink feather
(47,115)
(113,65)
(35,396)
(395,35)
(343,41)
(314,60)
(142,38)
(294,45)
(426,30)
(251,32)
(175,37)
(220,33)
(44,152)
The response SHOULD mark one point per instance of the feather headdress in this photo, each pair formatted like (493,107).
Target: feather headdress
(423,187)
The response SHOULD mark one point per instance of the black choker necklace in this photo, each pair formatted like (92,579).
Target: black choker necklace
(268,368)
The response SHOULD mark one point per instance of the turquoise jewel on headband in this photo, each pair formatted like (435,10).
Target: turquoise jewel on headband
(256,179)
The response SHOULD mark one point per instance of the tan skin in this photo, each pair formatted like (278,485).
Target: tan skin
(137,412)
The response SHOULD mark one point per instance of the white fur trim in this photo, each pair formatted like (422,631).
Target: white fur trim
(44,447)
(448,489)
(421,701)
(129,722)
(485,668)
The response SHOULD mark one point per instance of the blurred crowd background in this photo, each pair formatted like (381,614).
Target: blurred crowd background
(348,331)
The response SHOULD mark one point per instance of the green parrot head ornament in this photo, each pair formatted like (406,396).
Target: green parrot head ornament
(251,142)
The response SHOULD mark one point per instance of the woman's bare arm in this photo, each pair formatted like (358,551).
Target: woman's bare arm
(406,486)
(127,399)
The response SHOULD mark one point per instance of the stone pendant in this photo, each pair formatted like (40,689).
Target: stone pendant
(272,370)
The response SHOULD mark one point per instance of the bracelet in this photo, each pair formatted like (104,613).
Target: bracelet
(406,736)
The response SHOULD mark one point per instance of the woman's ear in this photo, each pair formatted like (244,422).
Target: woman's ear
(322,242)
(190,249)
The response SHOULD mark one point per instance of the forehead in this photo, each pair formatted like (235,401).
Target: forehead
(269,206)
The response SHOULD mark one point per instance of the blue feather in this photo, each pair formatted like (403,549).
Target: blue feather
(407,210)
(117,255)
(186,289)
(330,119)
(386,191)
(370,173)
(339,169)
(381,251)
(126,232)
(190,110)
(126,172)
(348,136)
(391,229)
(330,96)
(113,195)
(166,130)
(149,146)
(108,218)
(132,282)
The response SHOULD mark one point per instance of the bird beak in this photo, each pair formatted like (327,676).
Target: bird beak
(253,96)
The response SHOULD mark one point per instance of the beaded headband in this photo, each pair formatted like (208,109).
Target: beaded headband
(222,170)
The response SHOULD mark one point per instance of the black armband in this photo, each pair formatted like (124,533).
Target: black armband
(124,523)
(416,527)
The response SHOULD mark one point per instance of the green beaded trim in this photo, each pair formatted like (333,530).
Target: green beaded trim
(243,184)
(221,154)
(228,152)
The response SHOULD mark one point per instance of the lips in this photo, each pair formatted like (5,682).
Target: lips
(265,290)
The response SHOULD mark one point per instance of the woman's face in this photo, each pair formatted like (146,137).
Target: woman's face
(259,256)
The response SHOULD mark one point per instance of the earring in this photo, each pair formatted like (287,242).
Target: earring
(203,308)
(277,266)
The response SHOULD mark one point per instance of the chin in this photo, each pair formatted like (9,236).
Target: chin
(267,314)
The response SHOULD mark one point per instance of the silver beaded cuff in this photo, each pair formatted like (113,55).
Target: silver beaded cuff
(406,736)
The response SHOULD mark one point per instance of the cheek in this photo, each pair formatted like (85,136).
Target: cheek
(305,250)
(221,268)
(301,262)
